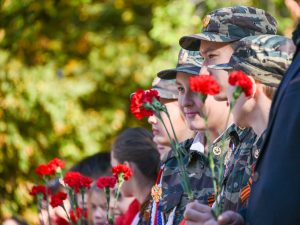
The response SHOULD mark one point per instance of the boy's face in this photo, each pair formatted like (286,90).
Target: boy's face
(216,53)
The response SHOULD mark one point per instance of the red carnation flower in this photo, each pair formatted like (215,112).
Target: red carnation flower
(56,163)
(241,80)
(205,84)
(39,189)
(44,170)
(106,182)
(122,169)
(50,168)
(77,181)
(75,216)
(138,99)
(57,199)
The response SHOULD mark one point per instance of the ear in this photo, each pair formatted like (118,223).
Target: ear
(130,165)
(259,88)
(254,87)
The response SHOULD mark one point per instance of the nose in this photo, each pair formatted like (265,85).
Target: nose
(99,213)
(152,119)
(204,68)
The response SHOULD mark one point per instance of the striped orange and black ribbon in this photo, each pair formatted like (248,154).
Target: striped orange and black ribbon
(210,200)
(245,193)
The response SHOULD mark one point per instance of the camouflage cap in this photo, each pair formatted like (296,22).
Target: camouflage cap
(265,57)
(188,62)
(231,24)
(166,88)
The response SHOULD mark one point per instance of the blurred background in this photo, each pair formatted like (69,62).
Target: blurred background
(68,68)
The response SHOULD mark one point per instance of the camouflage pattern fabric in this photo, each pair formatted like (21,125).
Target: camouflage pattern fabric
(237,169)
(245,192)
(231,24)
(265,57)
(189,62)
(199,172)
(166,88)
(200,180)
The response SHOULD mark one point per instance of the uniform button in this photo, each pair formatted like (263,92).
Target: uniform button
(256,153)
(217,150)
(235,185)
(255,177)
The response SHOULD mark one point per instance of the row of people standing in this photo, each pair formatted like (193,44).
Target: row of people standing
(236,38)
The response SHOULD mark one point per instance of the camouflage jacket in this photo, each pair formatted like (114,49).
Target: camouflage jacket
(237,169)
(196,164)
(199,172)
(252,159)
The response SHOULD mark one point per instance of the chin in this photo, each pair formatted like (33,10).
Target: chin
(197,126)
(220,97)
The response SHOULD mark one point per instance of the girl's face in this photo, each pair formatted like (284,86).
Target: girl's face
(122,204)
(126,195)
(98,208)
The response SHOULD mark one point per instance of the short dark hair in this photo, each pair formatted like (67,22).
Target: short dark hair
(136,145)
(93,166)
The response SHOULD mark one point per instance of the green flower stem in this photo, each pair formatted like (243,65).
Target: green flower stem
(39,202)
(110,218)
(120,183)
(176,147)
(82,218)
(157,107)
(173,130)
(47,200)
(157,114)
(64,208)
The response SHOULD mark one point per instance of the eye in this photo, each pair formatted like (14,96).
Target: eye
(94,206)
(211,56)
(103,206)
(180,89)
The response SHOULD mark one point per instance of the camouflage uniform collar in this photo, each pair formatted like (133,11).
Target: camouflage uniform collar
(197,145)
(238,133)
(185,144)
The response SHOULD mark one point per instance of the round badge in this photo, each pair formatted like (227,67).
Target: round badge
(217,150)
(206,20)
(256,153)
(156,192)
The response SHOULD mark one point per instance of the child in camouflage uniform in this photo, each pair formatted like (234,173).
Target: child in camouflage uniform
(264,58)
(170,207)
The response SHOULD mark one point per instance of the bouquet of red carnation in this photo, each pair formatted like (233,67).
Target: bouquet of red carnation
(74,182)
(145,104)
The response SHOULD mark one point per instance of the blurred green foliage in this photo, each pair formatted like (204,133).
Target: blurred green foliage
(68,68)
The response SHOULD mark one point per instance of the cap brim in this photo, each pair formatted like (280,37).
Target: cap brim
(192,42)
(225,66)
(167,74)
(171,73)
